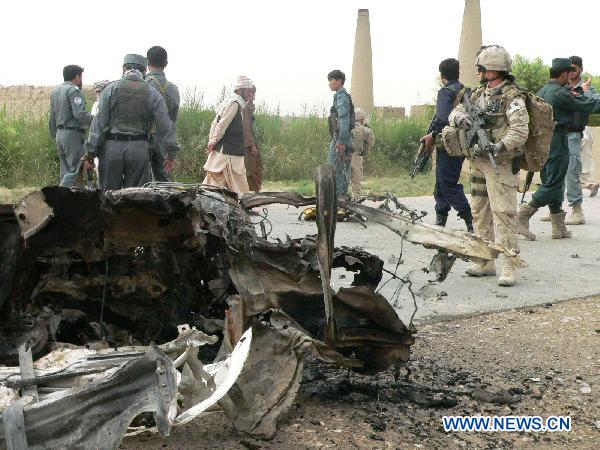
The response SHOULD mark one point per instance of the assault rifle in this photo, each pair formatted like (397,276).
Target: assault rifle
(477,117)
(528,180)
(423,154)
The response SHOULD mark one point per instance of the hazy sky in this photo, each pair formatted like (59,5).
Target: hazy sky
(286,47)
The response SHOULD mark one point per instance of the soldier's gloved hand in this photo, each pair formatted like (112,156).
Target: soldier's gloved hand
(463,122)
(477,151)
(497,147)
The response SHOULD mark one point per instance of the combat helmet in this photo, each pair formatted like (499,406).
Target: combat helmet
(494,57)
(359,114)
(133,58)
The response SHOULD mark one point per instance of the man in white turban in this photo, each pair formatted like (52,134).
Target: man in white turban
(225,164)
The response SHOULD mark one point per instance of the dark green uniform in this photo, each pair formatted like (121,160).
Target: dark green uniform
(564,105)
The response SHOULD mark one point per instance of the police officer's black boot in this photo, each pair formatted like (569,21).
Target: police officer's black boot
(441,219)
(468,218)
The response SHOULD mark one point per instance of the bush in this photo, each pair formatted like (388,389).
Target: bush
(291,146)
(530,74)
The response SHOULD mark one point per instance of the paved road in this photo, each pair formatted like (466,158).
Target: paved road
(559,269)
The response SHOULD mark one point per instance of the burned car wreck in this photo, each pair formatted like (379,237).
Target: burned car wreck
(95,290)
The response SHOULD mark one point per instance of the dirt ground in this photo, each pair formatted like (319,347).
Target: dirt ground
(534,361)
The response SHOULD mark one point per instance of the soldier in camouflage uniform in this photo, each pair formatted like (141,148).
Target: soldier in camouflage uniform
(68,122)
(363,140)
(494,203)
(162,161)
(129,108)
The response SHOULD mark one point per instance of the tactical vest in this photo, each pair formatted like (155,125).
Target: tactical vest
(495,109)
(541,123)
(334,126)
(132,113)
(233,139)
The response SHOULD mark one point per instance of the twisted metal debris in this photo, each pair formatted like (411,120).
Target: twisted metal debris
(125,268)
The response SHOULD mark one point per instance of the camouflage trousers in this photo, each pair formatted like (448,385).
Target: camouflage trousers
(494,202)
(356,174)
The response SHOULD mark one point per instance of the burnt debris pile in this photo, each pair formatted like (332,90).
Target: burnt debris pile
(170,290)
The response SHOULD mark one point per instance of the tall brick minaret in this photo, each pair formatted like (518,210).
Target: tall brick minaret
(470,42)
(362,65)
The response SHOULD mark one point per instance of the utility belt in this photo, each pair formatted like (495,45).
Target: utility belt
(62,127)
(126,137)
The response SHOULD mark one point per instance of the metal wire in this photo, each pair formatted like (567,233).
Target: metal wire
(404,281)
(104,289)
(264,220)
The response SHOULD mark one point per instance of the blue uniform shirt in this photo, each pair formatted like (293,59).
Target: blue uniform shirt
(445,105)
(341,101)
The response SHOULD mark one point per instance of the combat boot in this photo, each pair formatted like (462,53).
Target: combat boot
(559,230)
(576,217)
(523,217)
(481,270)
(593,187)
(468,218)
(507,277)
(441,219)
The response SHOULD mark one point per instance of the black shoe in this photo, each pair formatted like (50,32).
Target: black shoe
(441,219)
(468,218)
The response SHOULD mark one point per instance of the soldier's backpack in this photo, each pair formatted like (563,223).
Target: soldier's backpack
(541,128)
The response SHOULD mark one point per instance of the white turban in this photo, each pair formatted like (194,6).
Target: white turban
(243,82)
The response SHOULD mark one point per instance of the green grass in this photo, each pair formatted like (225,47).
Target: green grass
(291,146)
(28,157)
